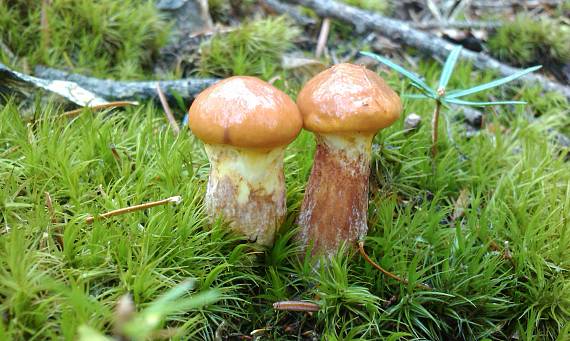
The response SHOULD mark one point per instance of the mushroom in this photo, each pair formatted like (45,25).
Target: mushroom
(245,124)
(344,106)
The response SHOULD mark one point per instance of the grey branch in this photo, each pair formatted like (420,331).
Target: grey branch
(292,11)
(129,90)
(15,82)
(509,3)
(403,33)
(428,25)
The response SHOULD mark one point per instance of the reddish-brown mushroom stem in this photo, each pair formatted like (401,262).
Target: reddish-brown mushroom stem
(335,206)
(344,106)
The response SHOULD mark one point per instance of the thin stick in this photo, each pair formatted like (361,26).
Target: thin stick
(323,37)
(10,150)
(167,111)
(175,199)
(296,306)
(50,209)
(115,153)
(434,131)
(56,233)
(510,3)
(428,25)
(385,272)
(435,123)
(99,107)
(44,25)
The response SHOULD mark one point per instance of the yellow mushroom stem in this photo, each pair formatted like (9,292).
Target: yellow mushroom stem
(247,189)
(334,209)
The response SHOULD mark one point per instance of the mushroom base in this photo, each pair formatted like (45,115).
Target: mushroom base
(247,189)
(334,209)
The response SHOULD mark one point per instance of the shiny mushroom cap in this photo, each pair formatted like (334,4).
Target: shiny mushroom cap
(245,112)
(348,98)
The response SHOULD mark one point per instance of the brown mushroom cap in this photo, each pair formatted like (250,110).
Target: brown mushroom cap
(245,112)
(348,98)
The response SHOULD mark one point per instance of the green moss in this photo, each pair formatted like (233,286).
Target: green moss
(549,106)
(514,184)
(528,41)
(255,48)
(221,10)
(516,191)
(380,6)
(101,38)
(543,103)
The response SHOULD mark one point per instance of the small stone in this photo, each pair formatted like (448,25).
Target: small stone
(412,122)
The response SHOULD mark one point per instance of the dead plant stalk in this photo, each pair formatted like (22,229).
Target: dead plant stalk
(167,110)
(175,200)
(386,272)
(117,104)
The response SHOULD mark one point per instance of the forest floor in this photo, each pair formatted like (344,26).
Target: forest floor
(486,224)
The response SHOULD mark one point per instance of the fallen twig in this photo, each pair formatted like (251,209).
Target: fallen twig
(175,199)
(296,306)
(428,25)
(44,25)
(402,32)
(292,11)
(509,3)
(117,104)
(10,150)
(129,90)
(323,37)
(116,155)
(49,206)
(167,111)
(56,234)
(13,81)
(386,272)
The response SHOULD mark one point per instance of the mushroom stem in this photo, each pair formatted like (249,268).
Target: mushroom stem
(334,209)
(247,188)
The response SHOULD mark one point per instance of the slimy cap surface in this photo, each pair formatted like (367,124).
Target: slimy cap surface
(245,112)
(348,98)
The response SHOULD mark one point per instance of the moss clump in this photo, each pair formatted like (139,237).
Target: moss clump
(102,38)
(255,48)
(526,41)
(550,106)
(511,186)
(222,10)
